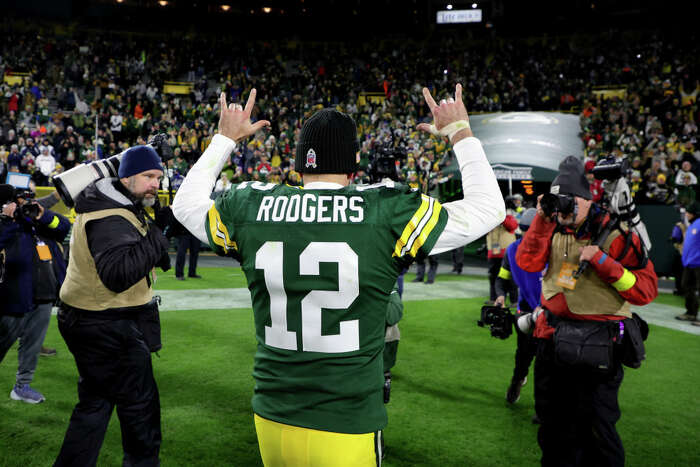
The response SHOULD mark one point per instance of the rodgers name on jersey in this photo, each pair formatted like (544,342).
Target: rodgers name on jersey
(321,265)
(311,207)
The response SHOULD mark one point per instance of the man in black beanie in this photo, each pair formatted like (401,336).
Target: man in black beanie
(577,399)
(321,262)
(105,297)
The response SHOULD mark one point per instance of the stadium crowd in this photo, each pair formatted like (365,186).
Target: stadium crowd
(48,120)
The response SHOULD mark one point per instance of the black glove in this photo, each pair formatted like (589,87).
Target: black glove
(160,244)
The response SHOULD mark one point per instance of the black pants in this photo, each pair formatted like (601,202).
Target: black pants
(677,269)
(420,269)
(458,259)
(115,369)
(185,242)
(691,287)
(494,267)
(524,354)
(579,409)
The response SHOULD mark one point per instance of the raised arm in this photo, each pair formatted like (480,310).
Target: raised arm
(482,207)
(192,200)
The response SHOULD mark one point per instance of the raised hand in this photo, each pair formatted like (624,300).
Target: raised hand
(448,112)
(234,121)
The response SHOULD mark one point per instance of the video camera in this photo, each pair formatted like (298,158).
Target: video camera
(70,183)
(609,168)
(29,209)
(499,320)
(617,198)
(382,163)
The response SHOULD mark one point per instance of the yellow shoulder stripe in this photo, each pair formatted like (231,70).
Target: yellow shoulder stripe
(411,226)
(504,274)
(625,282)
(419,227)
(427,229)
(218,231)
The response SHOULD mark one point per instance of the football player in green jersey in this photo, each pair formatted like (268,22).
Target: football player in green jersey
(321,262)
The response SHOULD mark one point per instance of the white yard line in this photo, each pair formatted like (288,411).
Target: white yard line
(222,299)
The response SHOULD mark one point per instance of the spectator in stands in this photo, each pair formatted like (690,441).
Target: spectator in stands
(45,165)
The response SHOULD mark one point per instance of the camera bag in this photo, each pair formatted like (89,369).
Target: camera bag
(633,352)
(148,321)
(585,343)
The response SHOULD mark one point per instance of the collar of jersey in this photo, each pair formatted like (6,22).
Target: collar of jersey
(322,186)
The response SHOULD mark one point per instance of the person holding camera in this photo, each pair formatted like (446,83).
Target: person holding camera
(108,316)
(33,265)
(529,290)
(586,327)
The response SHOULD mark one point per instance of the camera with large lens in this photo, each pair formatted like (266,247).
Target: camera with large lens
(70,183)
(526,322)
(30,208)
(499,321)
(553,203)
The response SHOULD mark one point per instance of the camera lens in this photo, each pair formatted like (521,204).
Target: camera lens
(549,203)
(566,204)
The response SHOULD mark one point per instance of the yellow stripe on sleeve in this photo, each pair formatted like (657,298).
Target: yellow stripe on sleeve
(437,207)
(218,231)
(54,222)
(625,282)
(411,226)
(504,274)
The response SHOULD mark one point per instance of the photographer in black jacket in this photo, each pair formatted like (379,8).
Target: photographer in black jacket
(32,260)
(107,303)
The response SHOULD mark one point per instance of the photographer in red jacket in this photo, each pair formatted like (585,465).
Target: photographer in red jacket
(578,369)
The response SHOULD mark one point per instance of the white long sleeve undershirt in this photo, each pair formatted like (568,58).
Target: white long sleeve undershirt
(479,212)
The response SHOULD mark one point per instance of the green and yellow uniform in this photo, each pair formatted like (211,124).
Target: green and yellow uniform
(320,265)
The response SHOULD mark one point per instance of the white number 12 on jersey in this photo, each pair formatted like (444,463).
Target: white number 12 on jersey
(269,258)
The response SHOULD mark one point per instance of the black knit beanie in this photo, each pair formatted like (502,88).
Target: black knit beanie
(571,179)
(327,144)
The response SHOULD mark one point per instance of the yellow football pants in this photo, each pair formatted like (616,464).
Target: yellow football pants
(292,446)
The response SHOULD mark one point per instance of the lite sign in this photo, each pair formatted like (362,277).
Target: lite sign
(459,16)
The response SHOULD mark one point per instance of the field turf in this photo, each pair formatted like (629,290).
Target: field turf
(448,392)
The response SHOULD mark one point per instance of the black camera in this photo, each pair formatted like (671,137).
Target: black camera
(29,209)
(499,320)
(609,168)
(159,142)
(551,204)
(382,163)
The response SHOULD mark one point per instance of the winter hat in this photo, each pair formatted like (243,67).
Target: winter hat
(527,218)
(139,159)
(327,144)
(694,208)
(571,179)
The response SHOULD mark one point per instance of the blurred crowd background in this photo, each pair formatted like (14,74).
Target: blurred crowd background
(74,97)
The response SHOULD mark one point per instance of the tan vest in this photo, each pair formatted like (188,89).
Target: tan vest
(82,287)
(498,240)
(679,246)
(591,296)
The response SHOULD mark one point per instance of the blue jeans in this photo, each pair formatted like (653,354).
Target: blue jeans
(30,329)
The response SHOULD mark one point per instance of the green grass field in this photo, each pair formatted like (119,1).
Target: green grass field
(448,395)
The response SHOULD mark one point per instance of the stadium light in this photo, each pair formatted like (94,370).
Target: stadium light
(163,3)
(449,6)
(474,5)
(225,7)
(267,9)
(120,1)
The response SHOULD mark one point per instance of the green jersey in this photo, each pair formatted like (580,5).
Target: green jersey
(320,265)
